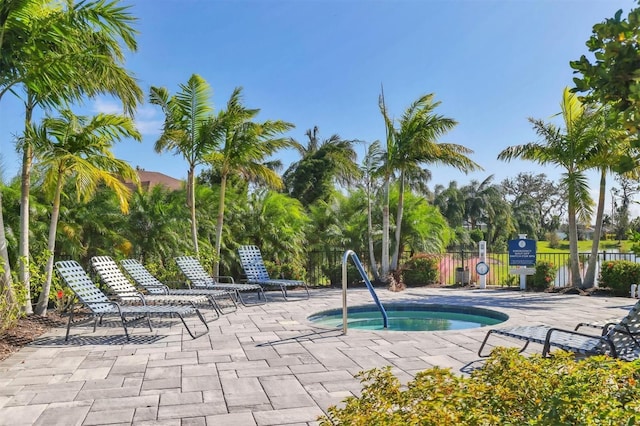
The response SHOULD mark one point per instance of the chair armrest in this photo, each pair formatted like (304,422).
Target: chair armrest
(164,288)
(226,277)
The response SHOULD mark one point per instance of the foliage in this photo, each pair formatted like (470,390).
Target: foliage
(287,271)
(335,274)
(537,203)
(612,76)
(552,239)
(618,275)
(411,143)
(510,389)
(421,269)
(573,148)
(10,302)
(323,164)
(188,130)
(545,275)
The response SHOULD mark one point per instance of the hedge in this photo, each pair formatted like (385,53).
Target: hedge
(510,389)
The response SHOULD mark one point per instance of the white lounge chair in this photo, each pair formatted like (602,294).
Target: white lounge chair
(100,306)
(256,272)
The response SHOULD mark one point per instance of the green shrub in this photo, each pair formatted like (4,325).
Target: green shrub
(618,275)
(510,389)
(553,239)
(421,269)
(353,276)
(287,271)
(544,276)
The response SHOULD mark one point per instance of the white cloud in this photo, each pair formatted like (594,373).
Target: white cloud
(147,120)
(106,107)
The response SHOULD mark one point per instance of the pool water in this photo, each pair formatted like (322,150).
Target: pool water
(411,317)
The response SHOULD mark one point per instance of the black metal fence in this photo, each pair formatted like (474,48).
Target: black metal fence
(325,267)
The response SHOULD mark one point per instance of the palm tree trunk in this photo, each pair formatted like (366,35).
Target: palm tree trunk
(43,299)
(372,254)
(219,223)
(576,279)
(590,275)
(6,282)
(384,259)
(25,189)
(191,202)
(396,249)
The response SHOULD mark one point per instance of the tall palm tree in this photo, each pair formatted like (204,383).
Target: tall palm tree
(409,146)
(370,165)
(243,148)
(613,146)
(77,147)
(59,52)
(573,149)
(187,131)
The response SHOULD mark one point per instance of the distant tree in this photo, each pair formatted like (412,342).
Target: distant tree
(323,165)
(450,201)
(537,197)
(477,196)
(627,189)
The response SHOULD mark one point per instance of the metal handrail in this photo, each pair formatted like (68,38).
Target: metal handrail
(363,274)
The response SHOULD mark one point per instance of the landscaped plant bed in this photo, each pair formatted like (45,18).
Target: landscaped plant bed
(509,389)
(26,330)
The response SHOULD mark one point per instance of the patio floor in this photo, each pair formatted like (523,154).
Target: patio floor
(262,365)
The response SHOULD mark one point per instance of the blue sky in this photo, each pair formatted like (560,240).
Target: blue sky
(492,64)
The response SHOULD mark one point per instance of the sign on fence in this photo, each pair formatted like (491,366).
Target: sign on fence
(522,252)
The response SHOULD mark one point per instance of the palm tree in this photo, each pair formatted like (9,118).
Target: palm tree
(572,149)
(60,53)
(243,148)
(370,166)
(187,131)
(75,147)
(613,147)
(477,199)
(323,164)
(410,145)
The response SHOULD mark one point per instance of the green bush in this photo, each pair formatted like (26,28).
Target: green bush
(421,269)
(510,389)
(553,239)
(618,275)
(287,271)
(353,276)
(544,276)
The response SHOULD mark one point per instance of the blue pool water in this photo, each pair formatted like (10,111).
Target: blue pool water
(411,317)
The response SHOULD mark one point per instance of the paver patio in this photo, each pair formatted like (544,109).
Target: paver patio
(262,365)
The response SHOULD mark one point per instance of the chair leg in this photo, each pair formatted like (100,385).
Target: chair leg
(216,307)
(259,292)
(195,336)
(286,295)
(66,337)
(219,308)
(124,325)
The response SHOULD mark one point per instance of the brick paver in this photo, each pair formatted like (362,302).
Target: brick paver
(261,365)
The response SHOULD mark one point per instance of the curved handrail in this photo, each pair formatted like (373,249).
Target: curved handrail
(365,277)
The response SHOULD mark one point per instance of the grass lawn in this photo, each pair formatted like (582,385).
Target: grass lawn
(584,246)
